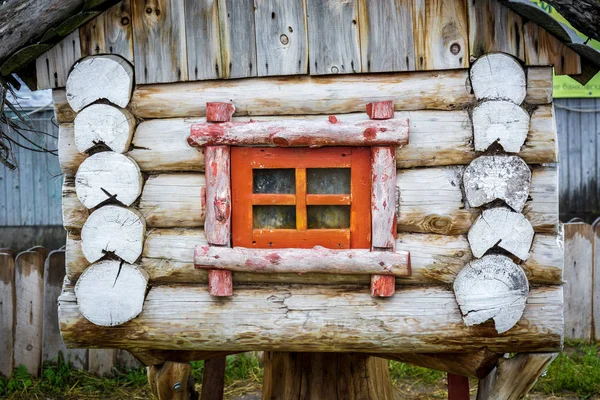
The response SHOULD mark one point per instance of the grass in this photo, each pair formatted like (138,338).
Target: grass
(576,372)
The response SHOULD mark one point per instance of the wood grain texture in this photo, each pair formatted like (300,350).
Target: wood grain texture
(277,318)
(501,122)
(541,48)
(238,38)
(281,37)
(435,260)
(220,283)
(219,112)
(494,27)
(321,95)
(218,195)
(161,144)
(74,213)
(498,76)
(335,50)
(442,35)
(579,241)
(53,67)
(383,285)
(203,44)
(386,35)
(213,379)
(163,378)
(539,84)
(383,198)
(62,110)
(517,375)
(7,312)
(29,317)
(104,124)
(160,41)
(102,362)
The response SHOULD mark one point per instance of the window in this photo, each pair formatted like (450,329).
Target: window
(301,197)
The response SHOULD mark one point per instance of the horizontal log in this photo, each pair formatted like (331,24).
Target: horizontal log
(301,133)
(168,257)
(301,261)
(439,90)
(161,144)
(304,318)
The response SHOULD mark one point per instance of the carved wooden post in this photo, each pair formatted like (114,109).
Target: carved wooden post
(218,199)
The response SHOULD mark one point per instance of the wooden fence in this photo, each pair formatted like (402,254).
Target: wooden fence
(582,276)
(30,284)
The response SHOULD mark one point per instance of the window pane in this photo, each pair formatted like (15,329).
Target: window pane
(274,217)
(328,217)
(274,181)
(328,180)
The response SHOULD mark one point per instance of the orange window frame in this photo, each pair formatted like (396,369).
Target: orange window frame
(245,159)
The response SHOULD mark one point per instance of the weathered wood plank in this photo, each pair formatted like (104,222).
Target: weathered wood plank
(383,198)
(202,39)
(238,38)
(539,84)
(494,27)
(102,361)
(596,283)
(281,37)
(161,144)
(159,40)
(29,289)
(7,312)
(218,196)
(516,376)
(441,39)
(321,95)
(386,35)
(62,110)
(541,48)
(277,318)
(53,66)
(579,241)
(335,50)
(435,259)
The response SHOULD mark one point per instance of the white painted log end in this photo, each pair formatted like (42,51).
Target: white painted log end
(492,287)
(102,123)
(110,293)
(113,229)
(500,121)
(503,228)
(498,76)
(488,178)
(108,175)
(93,78)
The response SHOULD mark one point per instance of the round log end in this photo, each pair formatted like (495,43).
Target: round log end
(498,76)
(500,121)
(102,123)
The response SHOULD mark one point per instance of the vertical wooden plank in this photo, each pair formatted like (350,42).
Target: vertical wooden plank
(541,48)
(92,37)
(218,195)
(333,37)
(238,38)
(4,195)
(386,35)
(579,239)
(458,387)
(574,149)
(159,39)
(494,27)
(125,360)
(7,312)
(588,134)
(563,155)
(53,67)
(383,198)
(213,380)
(202,39)
(101,362)
(26,185)
(596,283)
(281,39)
(29,288)
(441,34)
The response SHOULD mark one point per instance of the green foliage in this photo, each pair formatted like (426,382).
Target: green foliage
(401,371)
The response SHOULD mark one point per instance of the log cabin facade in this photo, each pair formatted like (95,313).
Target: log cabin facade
(443,248)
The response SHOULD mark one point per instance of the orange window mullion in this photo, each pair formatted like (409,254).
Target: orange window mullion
(301,219)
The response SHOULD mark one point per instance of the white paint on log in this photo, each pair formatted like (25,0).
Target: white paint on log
(106,175)
(317,259)
(218,195)
(498,76)
(500,121)
(383,198)
(301,133)
(516,376)
(113,229)
(315,318)
(489,178)
(93,78)
(102,123)
(503,228)
(110,293)
(492,287)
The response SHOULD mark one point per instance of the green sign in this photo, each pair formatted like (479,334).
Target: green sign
(565,86)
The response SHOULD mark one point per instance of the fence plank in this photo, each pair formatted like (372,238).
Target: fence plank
(578,277)
(596,294)
(203,43)
(29,288)
(7,312)
(101,362)
(125,360)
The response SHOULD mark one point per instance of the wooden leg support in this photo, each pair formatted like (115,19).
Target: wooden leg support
(458,387)
(172,381)
(331,376)
(213,379)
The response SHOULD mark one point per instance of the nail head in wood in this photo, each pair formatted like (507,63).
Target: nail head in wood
(220,283)
(219,112)
(381,109)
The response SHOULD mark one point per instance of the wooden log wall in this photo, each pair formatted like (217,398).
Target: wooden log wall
(178,41)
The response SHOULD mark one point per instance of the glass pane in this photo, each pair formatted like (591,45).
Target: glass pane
(274,217)
(274,181)
(328,180)
(328,217)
